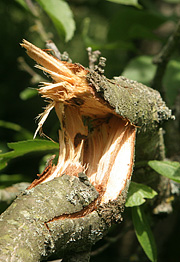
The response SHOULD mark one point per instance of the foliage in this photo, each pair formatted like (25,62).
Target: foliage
(140,69)
(126,2)
(138,193)
(24,147)
(128,33)
(144,233)
(61,15)
(172,79)
(170,169)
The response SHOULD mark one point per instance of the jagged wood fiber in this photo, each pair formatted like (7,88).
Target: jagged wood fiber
(63,215)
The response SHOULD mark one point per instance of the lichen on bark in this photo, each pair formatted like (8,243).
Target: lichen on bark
(43,217)
(141,105)
(64,211)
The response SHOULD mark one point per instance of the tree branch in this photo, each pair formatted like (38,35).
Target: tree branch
(141,105)
(38,23)
(8,194)
(162,59)
(64,211)
(55,216)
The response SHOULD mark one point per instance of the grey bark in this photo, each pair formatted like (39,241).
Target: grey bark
(49,218)
(141,105)
(8,194)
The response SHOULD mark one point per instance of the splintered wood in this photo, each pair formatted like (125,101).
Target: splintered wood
(93,139)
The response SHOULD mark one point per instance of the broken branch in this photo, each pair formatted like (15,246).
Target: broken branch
(98,123)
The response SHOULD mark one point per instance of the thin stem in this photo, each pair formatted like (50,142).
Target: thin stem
(39,25)
(32,7)
(162,59)
(36,78)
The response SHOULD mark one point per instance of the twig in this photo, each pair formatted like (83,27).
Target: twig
(110,241)
(8,194)
(162,59)
(93,57)
(61,56)
(51,45)
(36,78)
(39,25)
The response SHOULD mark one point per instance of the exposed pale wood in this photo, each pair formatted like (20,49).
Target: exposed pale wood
(67,213)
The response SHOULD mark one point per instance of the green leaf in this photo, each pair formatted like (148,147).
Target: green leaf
(3,164)
(140,69)
(171,80)
(168,169)
(144,233)
(61,15)
(24,147)
(172,1)
(28,93)
(137,194)
(8,180)
(15,127)
(126,2)
(10,125)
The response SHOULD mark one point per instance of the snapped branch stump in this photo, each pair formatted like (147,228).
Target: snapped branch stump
(74,202)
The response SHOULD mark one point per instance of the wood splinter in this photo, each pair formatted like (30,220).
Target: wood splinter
(98,126)
(98,123)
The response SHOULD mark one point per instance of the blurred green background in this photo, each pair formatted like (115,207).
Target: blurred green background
(128,33)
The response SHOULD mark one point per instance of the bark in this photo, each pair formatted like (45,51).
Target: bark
(141,105)
(8,194)
(52,218)
(66,215)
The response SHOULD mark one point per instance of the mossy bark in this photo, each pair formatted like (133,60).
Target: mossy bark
(49,217)
(141,105)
